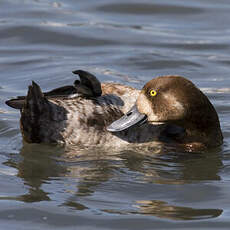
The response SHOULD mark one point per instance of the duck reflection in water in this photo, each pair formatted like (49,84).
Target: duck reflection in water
(91,170)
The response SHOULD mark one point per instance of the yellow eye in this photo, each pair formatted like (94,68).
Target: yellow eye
(153,93)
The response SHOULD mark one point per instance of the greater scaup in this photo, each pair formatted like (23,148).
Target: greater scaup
(169,110)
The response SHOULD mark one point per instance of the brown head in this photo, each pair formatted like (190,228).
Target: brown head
(177,101)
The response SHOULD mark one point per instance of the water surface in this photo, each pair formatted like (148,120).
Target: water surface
(127,42)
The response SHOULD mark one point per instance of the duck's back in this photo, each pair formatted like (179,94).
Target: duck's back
(77,120)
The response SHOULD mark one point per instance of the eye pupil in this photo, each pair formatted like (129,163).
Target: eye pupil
(153,93)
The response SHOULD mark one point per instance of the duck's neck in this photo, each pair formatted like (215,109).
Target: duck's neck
(205,134)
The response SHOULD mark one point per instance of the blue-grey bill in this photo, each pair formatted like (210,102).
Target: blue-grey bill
(131,118)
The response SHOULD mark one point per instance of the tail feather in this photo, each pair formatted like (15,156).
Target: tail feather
(16,103)
(31,112)
(40,118)
(35,98)
(34,95)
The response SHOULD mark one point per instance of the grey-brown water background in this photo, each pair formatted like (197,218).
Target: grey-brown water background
(127,42)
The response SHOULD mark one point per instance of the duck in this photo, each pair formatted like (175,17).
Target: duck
(169,110)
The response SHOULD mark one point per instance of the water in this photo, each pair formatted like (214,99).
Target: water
(127,42)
